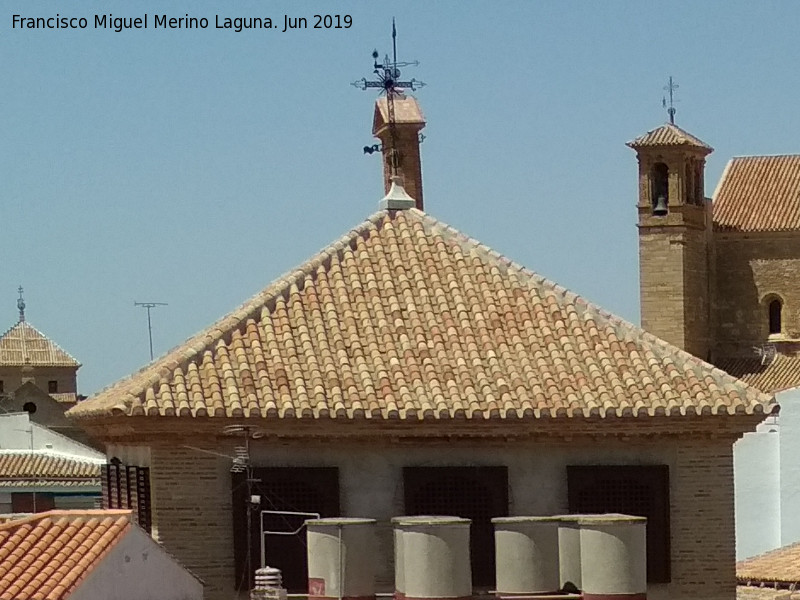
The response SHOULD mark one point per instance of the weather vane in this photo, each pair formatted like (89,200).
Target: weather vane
(389,82)
(670,89)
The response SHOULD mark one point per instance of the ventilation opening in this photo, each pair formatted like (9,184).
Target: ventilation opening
(29,407)
(775,314)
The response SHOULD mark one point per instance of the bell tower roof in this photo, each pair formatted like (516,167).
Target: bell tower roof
(669,134)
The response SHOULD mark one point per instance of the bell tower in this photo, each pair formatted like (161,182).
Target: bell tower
(674,220)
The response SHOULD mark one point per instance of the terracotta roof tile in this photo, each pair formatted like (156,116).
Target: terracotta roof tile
(24,344)
(20,468)
(45,556)
(780,565)
(65,397)
(759,193)
(781,373)
(669,135)
(748,592)
(406,318)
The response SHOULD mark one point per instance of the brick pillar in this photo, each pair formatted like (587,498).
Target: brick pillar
(408,122)
(702,520)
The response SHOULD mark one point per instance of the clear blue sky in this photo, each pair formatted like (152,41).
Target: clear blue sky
(195,166)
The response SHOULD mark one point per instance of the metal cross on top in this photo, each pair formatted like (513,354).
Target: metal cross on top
(389,82)
(670,89)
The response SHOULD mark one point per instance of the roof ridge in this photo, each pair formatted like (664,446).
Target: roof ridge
(622,327)
(216,331)
(53,454)
(776,155)
(67,513)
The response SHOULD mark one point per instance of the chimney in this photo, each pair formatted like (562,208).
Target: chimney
(408,122)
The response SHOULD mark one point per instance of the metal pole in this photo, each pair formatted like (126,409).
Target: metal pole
(148,306)
(150,331)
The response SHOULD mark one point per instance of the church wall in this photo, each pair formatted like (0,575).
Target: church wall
(661,283)
(749,268)
(12,378)
(192,508)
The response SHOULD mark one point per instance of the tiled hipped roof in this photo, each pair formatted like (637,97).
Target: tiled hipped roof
(759,193)
(39,468)
(23,344)
(669,135)
(405,318)
(778,374)
(777,566)
(46,556)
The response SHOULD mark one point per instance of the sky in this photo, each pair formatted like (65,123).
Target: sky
(194,166)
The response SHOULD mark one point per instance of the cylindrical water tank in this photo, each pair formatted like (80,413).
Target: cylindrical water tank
(613,564)
(434,557)
(341,558)
(526,550)
(569,553)
(399,566)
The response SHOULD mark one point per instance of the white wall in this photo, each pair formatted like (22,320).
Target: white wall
(756,465)
(15,434)
(790,465)
(371,482)
(137,568)
(767,477)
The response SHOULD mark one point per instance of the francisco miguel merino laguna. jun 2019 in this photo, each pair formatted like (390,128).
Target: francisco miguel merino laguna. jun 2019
(283,23)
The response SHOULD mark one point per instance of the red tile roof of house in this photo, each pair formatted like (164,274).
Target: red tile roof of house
(669,135)
(406,318)
(21,468)
(23,344)
(779,373)
(781,565)
(759,193)
(45,556)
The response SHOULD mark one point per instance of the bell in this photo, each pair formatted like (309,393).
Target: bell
(660,208)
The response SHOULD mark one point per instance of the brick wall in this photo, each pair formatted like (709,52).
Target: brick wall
(193,513)
(191,497)
(748,269)
(673,282)
(703,527)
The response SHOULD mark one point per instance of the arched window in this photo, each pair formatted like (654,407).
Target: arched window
(660,188)
(775,309)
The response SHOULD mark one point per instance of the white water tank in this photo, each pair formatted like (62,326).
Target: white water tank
(569,553)
(526,550)
(613,563)
(341,558)
(434,557)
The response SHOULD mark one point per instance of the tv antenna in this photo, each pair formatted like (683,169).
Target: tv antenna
(389,82)
(149,306)
(670,89)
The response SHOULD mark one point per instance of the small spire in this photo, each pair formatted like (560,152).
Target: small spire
(670,89)
(21,305)
(397,198)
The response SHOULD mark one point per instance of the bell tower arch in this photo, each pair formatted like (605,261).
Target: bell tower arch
(674,221)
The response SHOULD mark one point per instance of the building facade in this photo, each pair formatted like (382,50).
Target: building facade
(409,369)
(720,278)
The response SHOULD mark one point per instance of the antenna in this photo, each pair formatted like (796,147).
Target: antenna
(388,80)
(242,464)
(670,89)
(148,306)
